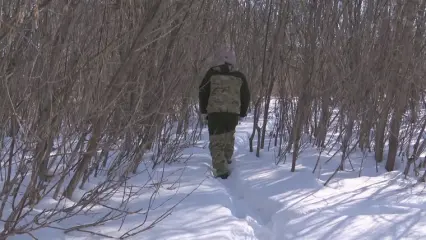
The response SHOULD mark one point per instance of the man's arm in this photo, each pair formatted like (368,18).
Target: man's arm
(244,97)
(204,92)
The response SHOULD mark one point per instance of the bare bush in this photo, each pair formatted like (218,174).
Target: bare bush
(89,88)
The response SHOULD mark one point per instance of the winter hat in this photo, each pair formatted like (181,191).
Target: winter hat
(225,56)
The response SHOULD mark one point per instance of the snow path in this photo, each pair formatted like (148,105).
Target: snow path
(244,206)
(241,209)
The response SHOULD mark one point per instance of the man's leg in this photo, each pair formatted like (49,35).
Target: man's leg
(221,130)
(229,146)
(231,123)
(217,150)
(217,133)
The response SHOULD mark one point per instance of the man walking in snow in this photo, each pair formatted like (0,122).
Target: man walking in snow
(224,97)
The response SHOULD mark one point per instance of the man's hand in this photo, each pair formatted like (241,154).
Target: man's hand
(241,119)
(204,119)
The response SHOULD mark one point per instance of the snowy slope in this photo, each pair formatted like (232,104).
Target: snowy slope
(262,200)
(267,201)
(298,206)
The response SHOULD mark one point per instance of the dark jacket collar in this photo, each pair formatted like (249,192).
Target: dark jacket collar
(224,68)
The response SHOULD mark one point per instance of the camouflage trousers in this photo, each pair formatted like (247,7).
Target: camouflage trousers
(221,149)
(221,130)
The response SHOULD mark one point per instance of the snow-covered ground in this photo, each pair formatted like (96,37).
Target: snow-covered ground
(262,200)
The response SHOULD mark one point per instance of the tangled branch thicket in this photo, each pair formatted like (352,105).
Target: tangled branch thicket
(89,87)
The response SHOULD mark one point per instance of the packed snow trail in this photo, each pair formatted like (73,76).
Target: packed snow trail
(242,209)
(244,206)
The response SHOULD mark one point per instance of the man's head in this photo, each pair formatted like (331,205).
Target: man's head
(225,56)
